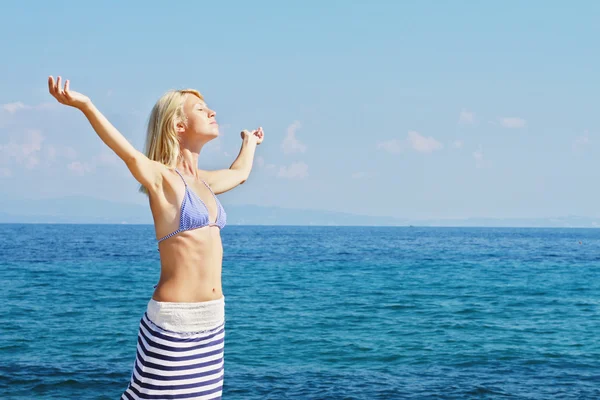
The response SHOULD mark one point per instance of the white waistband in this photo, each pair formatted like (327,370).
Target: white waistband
(187,317)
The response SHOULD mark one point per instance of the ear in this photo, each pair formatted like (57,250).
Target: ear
(179,127)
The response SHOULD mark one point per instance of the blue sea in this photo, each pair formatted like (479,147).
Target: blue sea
(316,312)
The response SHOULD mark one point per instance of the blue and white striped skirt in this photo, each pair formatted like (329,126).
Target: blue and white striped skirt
(179,352)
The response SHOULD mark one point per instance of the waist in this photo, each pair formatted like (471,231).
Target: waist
(187,317)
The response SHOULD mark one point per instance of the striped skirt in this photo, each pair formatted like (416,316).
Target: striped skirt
(179,352)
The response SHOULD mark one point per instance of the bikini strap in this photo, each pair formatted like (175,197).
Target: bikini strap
(181,176)
(206,184)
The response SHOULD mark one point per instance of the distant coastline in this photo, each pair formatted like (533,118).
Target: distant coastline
(80,210)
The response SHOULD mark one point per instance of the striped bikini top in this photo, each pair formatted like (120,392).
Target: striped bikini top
(194,213)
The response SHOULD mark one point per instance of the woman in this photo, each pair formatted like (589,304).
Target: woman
(181,334)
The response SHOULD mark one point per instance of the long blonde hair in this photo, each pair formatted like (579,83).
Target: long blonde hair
(162,141)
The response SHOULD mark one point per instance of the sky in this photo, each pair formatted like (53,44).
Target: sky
(409,109)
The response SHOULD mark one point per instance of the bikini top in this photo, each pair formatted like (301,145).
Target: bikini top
(194,213)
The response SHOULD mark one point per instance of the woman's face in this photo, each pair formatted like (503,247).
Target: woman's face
(200,120)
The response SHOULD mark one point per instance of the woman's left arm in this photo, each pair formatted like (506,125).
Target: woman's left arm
(223,180)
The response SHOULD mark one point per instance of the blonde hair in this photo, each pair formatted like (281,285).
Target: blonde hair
(162,141)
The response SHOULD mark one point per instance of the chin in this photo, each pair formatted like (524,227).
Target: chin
(210,135)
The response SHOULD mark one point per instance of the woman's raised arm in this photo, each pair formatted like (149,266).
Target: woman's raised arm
(147,172)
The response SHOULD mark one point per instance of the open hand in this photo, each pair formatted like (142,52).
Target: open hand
(65,95)
(257,135)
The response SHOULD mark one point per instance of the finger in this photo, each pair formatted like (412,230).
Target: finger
(59,90)
(53,91)
(51,84)
(67,94)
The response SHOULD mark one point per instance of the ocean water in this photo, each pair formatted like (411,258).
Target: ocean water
(316,312)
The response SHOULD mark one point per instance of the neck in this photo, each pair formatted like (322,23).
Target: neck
(188,161)
(189,153)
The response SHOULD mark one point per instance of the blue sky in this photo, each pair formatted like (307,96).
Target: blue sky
(413,109)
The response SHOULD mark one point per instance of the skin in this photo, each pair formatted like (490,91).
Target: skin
(191,261)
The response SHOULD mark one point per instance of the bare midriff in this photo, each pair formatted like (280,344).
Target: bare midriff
(191,263)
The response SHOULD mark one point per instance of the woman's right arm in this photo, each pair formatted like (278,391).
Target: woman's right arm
(147,172)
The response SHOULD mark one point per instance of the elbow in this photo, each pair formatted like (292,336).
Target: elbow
(242,175)
(128,159)
(245,176)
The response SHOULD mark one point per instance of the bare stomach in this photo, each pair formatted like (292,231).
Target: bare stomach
(191,267)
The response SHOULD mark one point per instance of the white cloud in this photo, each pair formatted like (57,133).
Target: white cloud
(581,141)
(31,151)
(359,175)
(393,146)
(479,158)
(12,108)
(79,168)
(298,170)
(107,158)
(458,144)
(31,162)
(466,117)
(54,152)
(5,172)
(290,143)
(34,142)
(415,140)
(512,122)
(25,153)
(260,162)
(423,144)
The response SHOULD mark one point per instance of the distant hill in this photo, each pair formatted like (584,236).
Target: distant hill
(90,210)
(94,211)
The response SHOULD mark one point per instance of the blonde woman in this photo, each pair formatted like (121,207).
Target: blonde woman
(181,334)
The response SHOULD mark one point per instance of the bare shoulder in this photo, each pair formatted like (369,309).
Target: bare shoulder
(149,173)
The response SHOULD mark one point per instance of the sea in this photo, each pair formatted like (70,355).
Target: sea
(316,312)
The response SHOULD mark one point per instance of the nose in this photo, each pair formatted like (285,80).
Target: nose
(211,113)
